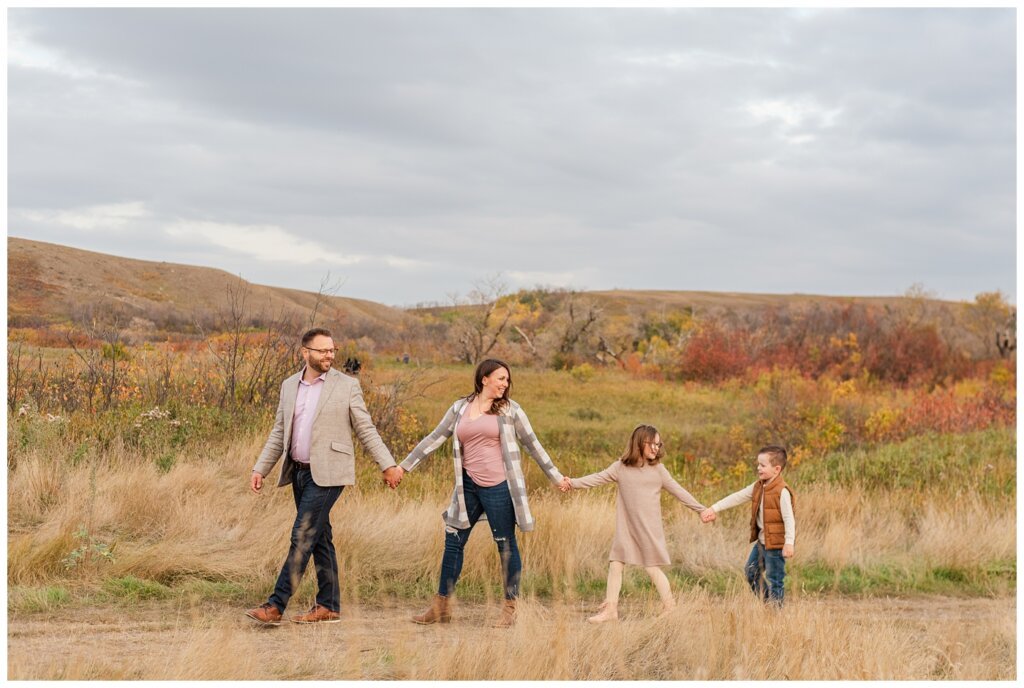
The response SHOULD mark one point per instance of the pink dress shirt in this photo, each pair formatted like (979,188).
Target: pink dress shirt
(302,420)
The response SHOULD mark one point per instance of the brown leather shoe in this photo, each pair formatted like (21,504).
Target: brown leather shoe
(318,614)
(267,614)
(439,611)
(508,615)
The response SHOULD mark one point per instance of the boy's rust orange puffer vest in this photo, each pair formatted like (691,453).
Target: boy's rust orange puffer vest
(774,528)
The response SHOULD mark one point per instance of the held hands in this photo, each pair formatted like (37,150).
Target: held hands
(565,485)
(393,476)
(787,551)
(256,482)
(708,515)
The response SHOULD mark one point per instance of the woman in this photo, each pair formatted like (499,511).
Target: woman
(488,480)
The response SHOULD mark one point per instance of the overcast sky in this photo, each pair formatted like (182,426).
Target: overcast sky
(414,152)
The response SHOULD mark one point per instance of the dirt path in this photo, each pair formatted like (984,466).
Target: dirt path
(167,640)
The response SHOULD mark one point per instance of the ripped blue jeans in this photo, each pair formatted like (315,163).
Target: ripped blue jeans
(496,502)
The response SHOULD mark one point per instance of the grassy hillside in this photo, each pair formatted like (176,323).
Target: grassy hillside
(51,284)
(47,283)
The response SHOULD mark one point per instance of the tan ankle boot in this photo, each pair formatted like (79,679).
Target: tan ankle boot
(438,612)
(508,615)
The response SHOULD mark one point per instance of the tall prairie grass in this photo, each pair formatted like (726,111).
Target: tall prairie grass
(134,509)
(198,520)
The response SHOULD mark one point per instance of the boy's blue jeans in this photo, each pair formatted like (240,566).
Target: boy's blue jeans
(496,502)
(769,565)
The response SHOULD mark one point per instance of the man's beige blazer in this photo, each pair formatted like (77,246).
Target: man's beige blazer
(340,413)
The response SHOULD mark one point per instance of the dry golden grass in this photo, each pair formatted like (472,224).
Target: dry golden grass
(199,525)
(200,520)
(707,637)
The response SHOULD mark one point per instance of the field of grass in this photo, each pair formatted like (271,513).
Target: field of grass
(710,637)
(125,518)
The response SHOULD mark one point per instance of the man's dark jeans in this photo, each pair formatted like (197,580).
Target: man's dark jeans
(311,534)
(769,564)
(496,502)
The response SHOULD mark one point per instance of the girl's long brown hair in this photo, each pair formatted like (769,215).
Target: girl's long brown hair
(485,368)
(634,455)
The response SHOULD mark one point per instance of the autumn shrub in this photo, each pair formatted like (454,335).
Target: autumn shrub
(909,354)
(714,353)
(850,342)
(233,373)
(945,411)
(582,373)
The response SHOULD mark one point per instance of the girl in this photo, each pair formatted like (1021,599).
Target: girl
(639,536)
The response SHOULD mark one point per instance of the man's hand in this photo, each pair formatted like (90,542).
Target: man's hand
(708,515)
(787,551)
(257,482)
(393,476)
(565,485)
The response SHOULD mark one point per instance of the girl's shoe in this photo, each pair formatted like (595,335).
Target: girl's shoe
(606,613)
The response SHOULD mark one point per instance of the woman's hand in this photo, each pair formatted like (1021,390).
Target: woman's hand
(393,476)
(565,485)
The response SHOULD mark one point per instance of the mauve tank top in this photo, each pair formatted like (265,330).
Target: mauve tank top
(481,450)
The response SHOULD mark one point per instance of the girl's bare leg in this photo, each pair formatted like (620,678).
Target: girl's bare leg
(610,608)
(661,584)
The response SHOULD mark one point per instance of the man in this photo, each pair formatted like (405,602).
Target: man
(320,408)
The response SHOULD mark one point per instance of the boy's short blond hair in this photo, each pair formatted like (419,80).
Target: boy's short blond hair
(776,455)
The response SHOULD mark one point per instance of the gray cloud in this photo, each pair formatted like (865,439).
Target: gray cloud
(838,152)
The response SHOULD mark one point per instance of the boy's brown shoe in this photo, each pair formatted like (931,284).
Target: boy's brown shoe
(267,614)
(318,614)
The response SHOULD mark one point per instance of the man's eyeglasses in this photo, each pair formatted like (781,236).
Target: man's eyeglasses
(322,352)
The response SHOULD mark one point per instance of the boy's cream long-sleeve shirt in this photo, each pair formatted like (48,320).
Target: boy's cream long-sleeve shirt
(747,494)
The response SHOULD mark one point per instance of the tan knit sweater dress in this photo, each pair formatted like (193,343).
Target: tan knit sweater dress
(639,534)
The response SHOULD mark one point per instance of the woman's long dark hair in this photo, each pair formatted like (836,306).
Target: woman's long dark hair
(485,368)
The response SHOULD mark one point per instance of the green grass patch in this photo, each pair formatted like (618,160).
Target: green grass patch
(717,582)
(982,462)
(132,589)
(42,599)
(883,579)
(395,587)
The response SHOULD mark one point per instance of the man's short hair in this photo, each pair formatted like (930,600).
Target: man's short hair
(315,332)
(776,455)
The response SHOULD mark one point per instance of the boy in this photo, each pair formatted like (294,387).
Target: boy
(772,524)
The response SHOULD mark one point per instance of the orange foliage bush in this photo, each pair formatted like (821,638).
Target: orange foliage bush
(845,343)
(715,353)
(945,411)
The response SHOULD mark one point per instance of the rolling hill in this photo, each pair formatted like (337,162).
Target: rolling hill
(48,283)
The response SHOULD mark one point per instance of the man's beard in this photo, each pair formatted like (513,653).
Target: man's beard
(320,366)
